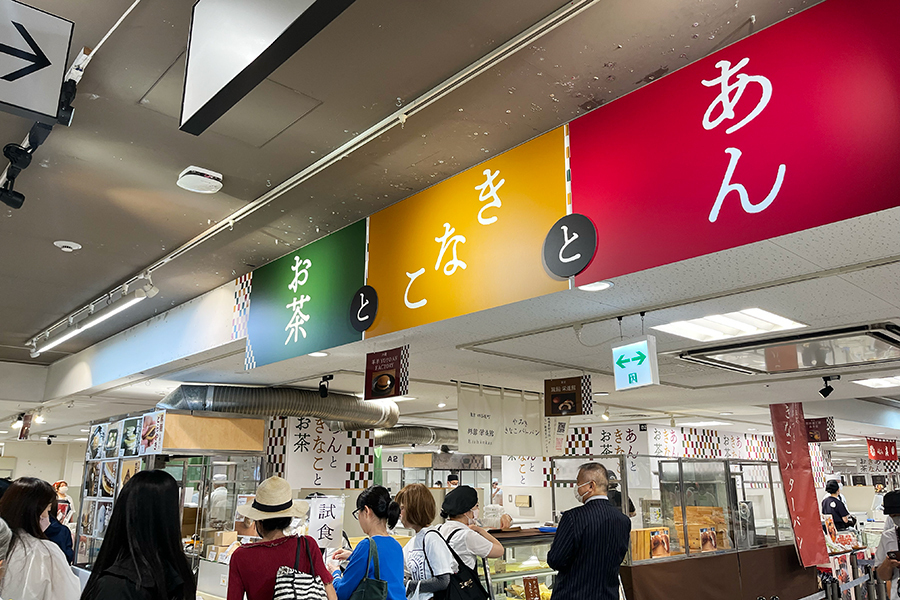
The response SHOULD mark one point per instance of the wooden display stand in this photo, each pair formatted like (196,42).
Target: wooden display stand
(703,517)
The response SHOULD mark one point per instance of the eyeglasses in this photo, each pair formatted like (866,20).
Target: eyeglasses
(355,514)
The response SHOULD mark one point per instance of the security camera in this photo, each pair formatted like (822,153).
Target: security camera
(323,385)
(50,439)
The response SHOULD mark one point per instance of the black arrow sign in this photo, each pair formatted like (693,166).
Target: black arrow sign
(38,59)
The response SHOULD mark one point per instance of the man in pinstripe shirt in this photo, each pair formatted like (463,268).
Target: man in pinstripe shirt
(590,542)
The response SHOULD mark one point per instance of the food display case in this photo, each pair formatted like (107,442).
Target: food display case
(525,554)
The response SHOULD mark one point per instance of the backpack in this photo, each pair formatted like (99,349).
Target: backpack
(464,584)
(294,584)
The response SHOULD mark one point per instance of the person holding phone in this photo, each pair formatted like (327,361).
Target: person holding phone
(887,555)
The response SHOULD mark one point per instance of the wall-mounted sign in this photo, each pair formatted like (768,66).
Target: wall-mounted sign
(387,373)
(752,147)
(472,242)
(570,245)
(298,303)
(34,57)
(569,396)
(635,364)
(363,308)
(316,456)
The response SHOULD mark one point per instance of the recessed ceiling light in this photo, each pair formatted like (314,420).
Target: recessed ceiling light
(704,423)
(752,429)
(318,354)
(39,419)
(878,382)
(726,414)
(441,405)
(3,432)
(80,439)
(597,286)
(66,246)
(750,321)
(601,393)
(85,430)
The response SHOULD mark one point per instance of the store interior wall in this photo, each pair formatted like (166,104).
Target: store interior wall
(50,463)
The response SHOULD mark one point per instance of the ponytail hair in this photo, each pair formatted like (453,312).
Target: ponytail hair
(378,499)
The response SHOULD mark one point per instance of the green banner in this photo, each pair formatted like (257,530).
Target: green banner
(300,302)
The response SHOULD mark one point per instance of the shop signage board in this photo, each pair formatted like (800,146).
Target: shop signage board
(568,396)
(635,364)
(25,429)
(745,145)
(316,456)
(34,57)
(820,430)
(469,243)
(800,492)
(525,471)
(326,521)
(387,373)
(299,303)
(499,423)
(881,449)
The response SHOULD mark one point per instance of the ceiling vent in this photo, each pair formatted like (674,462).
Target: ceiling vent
(200,180)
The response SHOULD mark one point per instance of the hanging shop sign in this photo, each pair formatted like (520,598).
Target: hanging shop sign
(799,487)
(387,373)
(472,242)
(751,146)
(881,449)
(820,430)
(635,364)
(499,423)
(363,308)
(25,429)
(570,245)
(569,396)
(298,303)
(318,457)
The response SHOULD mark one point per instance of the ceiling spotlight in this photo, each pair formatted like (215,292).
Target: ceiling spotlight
(605,415)
(672,422)
(39,418)
(323,385)
(318,354)
(597,286)
(441,405)
(826,391)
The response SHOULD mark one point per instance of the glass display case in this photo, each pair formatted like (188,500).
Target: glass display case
(525,554)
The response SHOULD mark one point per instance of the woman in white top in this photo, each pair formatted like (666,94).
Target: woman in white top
(461,531)
(428,563)
(36,569)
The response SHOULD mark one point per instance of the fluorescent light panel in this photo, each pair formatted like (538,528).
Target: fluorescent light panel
(98,317)
(751,321)
(703,424)
(879,382)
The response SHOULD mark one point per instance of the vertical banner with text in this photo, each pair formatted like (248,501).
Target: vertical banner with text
(789,428)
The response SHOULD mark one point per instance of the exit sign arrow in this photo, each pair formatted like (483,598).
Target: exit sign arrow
(36,57)
(639,358)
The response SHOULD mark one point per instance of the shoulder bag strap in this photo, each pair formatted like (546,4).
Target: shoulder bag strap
(458,561)
(373,557)
(312,569)
(297,558)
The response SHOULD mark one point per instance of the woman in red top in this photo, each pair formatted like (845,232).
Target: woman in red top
(253,567)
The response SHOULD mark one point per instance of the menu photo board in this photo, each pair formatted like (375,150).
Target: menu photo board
(96,446)
(569,396)
(131,433)
(152,431)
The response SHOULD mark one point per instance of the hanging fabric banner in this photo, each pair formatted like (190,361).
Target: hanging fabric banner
(499,422)
(881,449)
(799,488)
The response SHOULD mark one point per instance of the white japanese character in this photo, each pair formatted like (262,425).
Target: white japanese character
(728,101)
(294,328)
(566,241)
(489,190)
(728,187)
(412,278)
(301,271)
(445,241)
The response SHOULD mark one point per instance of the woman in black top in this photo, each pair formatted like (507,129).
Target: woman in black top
(832,505)
(141,557)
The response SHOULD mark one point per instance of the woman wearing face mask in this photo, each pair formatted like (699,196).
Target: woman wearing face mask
(462,532)
(60,535)
(36,569)
(66,512)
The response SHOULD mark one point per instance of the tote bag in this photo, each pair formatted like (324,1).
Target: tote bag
(294,584)
(464,584)
(371,589)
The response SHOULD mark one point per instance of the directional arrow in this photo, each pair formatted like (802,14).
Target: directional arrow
(640,358)
(622,360)
(37,57)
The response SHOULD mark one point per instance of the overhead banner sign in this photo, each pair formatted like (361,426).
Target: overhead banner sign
(470,243)
(299,303)
(34,57)
(820,430)
(499,423)
(751,147)
(635,364)
(569,396)
(235,45)
(789,429)
(387,373)
(882,449)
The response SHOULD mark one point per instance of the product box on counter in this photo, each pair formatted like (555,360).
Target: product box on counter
(225,538)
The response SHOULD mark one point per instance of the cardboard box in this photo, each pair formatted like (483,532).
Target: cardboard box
(225,538)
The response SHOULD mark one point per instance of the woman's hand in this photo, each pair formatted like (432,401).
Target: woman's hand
(341,554)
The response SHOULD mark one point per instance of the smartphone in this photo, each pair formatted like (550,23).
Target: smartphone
(894,555)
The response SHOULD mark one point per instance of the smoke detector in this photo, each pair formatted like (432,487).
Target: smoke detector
(200,180)
(66,246)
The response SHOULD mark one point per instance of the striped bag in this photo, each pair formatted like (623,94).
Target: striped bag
(294,584)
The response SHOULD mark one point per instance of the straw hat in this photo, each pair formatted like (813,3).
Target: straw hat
(274,500)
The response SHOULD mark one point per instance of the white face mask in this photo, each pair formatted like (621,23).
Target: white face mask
(63,489)
(474,519)
(45,523)
(581,497)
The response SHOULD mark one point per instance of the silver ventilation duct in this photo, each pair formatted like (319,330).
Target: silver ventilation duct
(407,435)
(283,402)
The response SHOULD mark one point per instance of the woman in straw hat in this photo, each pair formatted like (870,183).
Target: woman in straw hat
(253,567)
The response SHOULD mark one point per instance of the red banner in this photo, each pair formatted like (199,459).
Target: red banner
(791,128)
(882,449)
(789,428)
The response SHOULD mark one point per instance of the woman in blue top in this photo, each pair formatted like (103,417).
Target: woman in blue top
(376,513)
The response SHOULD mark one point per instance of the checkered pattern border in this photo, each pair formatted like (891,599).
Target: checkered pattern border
(276,445)
(568,170)
(867,465)
(817,462)
(587,396)
(241,312)
(404,370)
(360,459)
(580,442)
(760,447)
(832,432)
(547,476)
(701,443)
(249,359)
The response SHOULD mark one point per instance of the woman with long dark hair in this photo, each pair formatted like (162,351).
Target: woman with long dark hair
(141,557)
(36,569)
(376,513)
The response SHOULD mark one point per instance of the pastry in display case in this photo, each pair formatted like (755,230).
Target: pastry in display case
(524,556)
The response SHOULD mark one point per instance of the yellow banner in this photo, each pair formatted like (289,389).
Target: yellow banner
(469,243)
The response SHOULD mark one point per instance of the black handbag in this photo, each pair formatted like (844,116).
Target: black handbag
(371,589)
(464,584)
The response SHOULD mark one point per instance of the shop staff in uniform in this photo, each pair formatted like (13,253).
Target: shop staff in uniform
(590,542)
(461,531)
(427,558)
(254,567)
(832,505)
(452,480)
(36,569)
(141,556)
(376,513)
(887,567)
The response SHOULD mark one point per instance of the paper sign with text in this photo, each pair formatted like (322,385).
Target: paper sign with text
(316,456)
(524,471)
(326,518)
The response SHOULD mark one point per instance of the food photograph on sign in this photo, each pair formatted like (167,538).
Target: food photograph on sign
(108,478)
(149,433)
(659,543)
(97,441)
(131,430)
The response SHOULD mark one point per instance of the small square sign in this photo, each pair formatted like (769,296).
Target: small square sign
(635,364)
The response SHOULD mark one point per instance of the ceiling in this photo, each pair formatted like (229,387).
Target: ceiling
(108,181)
